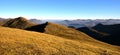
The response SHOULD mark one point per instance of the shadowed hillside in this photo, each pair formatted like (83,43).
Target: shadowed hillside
(58,30)
(68,33)
(110,33)
(38,28)
(33,43)
(19,22)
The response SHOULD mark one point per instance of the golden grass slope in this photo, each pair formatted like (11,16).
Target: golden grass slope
(21,42)
(69,33)
(65,32)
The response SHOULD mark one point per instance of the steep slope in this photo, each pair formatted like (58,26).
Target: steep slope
(68,33)
(21,42)
(112,29)
(19,22)
(59,30)
(107,33)
(93,33)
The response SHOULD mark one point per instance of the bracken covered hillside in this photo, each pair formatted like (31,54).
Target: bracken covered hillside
(21,42)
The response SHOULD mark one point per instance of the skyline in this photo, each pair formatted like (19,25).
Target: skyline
(60,9)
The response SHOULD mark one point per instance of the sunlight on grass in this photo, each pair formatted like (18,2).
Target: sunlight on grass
(21,42)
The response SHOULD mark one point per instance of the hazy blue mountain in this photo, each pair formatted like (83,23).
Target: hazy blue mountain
(80,22)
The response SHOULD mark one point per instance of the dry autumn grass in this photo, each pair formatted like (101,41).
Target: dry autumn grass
(69,33)
(21,42)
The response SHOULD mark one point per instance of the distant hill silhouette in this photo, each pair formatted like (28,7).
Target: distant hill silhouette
(19,22)
(106,33)
(77,23)
(112,29)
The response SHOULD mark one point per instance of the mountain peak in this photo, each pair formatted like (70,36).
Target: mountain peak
(21,18)
(19,22)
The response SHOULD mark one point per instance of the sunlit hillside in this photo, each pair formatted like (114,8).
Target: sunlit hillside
(73,34)
(21,42)
(68,33)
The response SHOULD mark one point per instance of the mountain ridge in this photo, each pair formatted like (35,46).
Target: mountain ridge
(111,31)
(19,22)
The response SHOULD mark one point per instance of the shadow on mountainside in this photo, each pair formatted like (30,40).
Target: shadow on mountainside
(106,33)
(38,28)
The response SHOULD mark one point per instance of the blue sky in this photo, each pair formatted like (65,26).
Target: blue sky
(60,9)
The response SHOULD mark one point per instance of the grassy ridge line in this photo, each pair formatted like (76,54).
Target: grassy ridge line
(69,33)
(21,42)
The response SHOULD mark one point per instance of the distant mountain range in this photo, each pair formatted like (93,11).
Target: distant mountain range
(74,23)
(79,22)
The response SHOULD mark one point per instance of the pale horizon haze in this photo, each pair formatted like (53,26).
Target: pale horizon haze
(60,9)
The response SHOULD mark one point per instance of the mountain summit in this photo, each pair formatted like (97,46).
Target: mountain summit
(19,22)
